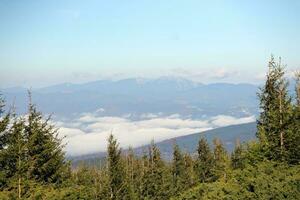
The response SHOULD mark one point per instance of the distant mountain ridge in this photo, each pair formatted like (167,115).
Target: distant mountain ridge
(139,96)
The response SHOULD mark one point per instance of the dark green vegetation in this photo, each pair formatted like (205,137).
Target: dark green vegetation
(33,165)
(189,143)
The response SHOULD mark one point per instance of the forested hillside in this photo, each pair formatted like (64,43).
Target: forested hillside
(33,164)
(229,135)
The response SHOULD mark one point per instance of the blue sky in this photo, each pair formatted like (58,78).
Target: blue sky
(54,41)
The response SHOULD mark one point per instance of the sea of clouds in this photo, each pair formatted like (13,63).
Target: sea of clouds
(88,133)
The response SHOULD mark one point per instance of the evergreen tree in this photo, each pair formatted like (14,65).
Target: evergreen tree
(275,116)
(4,137)
(178,170)
(132,174)
(190,176)
(297,88)
(46,158)
(143,167)
(4,121)
(293,141)
(116,172)
(15,155)
(238,157)
(220,160)
(204,161)
(154,180)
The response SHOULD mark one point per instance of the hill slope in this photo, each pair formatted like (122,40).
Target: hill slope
(228,135)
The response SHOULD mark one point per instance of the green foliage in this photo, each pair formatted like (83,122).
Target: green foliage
(181,170)
(293,141)
(189,170)
(154,177)
(275,118)
(238,157)
(92,182)
(220,161)
(16,162)
(4,121)
(45,155)
(134,169)
(30,152)
(117,184)
(254,153)
(267,180)
(204,162)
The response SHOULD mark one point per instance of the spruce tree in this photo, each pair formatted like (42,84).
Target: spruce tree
(190,176)
(204,161)
(178,170)
(15,155)
(116,171)
(144,171)
(220,160)
(276,112)
(297,88)
(4,136)
(154,180)
(4,121)
(46,159)
(293,141)
(238,157)
(132,174)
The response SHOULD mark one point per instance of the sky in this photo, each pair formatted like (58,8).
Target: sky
(55,41)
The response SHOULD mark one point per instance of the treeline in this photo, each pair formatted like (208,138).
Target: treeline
(33,164)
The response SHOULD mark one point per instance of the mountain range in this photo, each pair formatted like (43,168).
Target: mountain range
(163,96)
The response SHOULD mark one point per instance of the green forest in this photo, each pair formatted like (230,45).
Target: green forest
(34,166)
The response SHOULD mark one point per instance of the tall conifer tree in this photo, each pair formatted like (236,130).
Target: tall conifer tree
(204,161)
(132,174)
(293,141)
(178,169)
(116,171)
(276,113)
(190,175)
(4,136)
(45,154)
(154,185)
(220,161)
(16,155)
(4,121)
(237,156)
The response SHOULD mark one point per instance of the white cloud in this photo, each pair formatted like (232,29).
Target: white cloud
(260,76)
(70,132)
(148,116)
(88,133)
(224,120)
(222,73)
(210,75)
(100,110)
